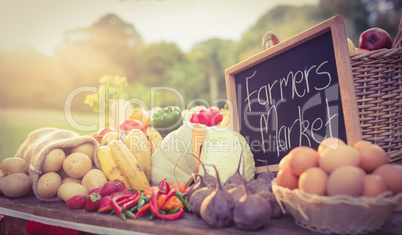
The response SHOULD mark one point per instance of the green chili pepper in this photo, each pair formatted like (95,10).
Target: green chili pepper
(184,201)
(167,119)
(129,213)
(174,210)
(141,201)
(152,216)
(134,208)
(147,199)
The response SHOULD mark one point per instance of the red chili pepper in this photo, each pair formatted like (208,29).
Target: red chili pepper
(168,196)
(154,198)
(167,186)
(142,211)
(109,207)
(174,216)
(118,209)
(122,197)
(131,203)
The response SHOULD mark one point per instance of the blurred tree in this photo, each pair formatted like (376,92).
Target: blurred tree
(106,47)
(285,21)
(156,59)
(363,14)
(385,14)
(215,55)
(354,12)
(27,76)
(190,80)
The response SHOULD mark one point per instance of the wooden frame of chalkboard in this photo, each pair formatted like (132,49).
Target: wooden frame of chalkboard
(298,92)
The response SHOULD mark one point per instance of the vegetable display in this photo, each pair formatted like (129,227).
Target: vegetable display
(203,168)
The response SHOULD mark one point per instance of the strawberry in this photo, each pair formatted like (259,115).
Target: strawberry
(95,190)
(105,201)
(109,188)
(76,202)
(120,183)
(126,191)
(92,202)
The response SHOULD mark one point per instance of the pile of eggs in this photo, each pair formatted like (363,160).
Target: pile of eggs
(336,168)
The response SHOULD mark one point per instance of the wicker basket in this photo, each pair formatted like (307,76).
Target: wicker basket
(339,214)
(378,84)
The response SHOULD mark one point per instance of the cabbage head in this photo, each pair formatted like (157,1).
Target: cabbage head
(222,147)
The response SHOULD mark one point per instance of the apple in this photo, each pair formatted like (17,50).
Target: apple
(105,130)
(374,39)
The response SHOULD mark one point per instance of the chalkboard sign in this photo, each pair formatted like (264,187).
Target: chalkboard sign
(296,93)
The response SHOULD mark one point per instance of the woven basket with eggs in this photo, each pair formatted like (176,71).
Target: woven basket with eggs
(338,188)
(339,214)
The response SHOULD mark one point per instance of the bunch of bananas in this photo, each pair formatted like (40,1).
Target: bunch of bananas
(127,156)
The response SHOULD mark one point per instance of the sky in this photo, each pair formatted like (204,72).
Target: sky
(41,23)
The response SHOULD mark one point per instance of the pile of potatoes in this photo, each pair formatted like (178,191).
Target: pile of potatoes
(14,179)
(62,175)
(65,176)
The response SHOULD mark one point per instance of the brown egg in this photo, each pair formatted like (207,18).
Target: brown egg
(286,178)
(313,180)
(301,158)
(331,142)
(346,180)
(284,162)
(361,144)
(371,157)
(392,176)
(344,155)
(374,185)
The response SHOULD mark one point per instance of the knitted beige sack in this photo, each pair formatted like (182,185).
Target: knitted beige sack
(40,142)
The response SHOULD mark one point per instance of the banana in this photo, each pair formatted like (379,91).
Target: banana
(139,147)
(140,133)
(225,120)
(128,165)
(155,139)
(109,166)
(113,135)
(106,139)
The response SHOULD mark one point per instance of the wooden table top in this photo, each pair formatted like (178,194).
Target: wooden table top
(30,208)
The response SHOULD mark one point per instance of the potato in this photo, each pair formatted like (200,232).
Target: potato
(70,180)
(95,178)
(16,185)
(48,184)
(13,165)
(68,190)
(53,160)
(76,165)
(87,148)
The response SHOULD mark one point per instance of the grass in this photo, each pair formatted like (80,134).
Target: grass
(16,124)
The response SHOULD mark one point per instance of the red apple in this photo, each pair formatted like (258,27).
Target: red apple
(374,39)
(105,130)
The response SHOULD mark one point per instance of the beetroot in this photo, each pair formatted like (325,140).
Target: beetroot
(217,208)
(198,185)
(251,211)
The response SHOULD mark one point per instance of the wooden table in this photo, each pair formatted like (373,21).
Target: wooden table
(57,213)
